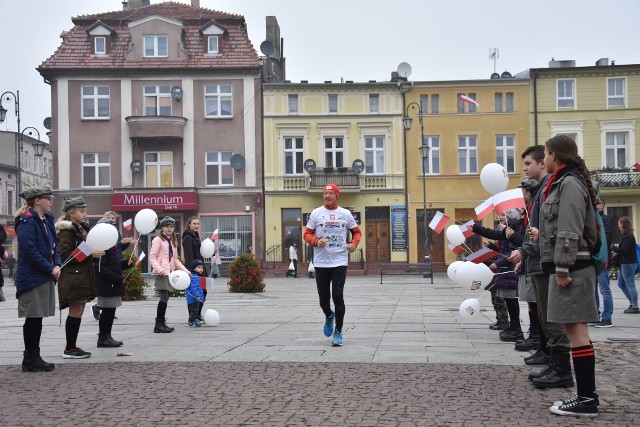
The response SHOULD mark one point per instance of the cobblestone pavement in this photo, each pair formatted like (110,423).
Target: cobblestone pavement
(292,393)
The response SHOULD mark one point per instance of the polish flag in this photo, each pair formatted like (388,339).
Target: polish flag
(127,224)
(214,236)
(206,283)
(468,100)
(81,252)
(455,248)
(465,231)
(438,222)
(509,199)
(636,166)
(482,255)
(485,208)
(140,258)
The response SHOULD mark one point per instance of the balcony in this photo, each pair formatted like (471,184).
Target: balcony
(141,127)
(611,178)
(347,179)
(339,176)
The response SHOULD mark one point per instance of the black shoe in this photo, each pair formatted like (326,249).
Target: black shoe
(105,340)
(537,358)
(499,326)
(95,309)
(511,335)
(32,362)
(75,353)
(578,407)
(531,343)
(554,379)
(161,327)
(533,375)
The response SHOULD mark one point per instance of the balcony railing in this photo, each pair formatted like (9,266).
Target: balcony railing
(340,176)
(616,177)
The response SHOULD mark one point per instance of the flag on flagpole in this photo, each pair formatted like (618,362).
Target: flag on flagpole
(81,252)
(509,199)
(438,222)
(468,100)
(215,234)
(455,248)
(140,258)
(485,208)
(465,231)
(482,255)
(636,166)
(127,224)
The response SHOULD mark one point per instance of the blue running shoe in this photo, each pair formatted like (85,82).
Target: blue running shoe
(328,325)
(337,339)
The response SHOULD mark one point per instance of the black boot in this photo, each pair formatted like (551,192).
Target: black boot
(119,342)
(511,335)
(559,374)
(32,362)
(540,357)
(531,343)
(105,340)
(161,327)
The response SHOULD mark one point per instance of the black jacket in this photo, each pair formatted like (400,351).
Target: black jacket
(191,249)
(109,280)
(627,249)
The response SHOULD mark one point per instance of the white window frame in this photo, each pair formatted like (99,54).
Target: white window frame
(374,103)
(466,149)
(622,96)
(564,98)
(617,162)
(96,166)
(160,92)
(433,142)
(374,147)
(332,103)
(222,161)
(100,50)
(334,151)
(220,95)
(626,126)
(570,127)
(156,46)
(95,98)
(157,164)
(294,104)
(210,48)
(295,152)
(506,152)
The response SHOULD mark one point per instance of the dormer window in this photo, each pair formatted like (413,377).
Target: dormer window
(212,36)
(100,45)
(212,45)
(155,46)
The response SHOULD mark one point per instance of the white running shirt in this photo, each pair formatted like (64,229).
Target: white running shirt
(333,224)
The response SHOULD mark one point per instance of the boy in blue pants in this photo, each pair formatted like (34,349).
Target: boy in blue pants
(194,294)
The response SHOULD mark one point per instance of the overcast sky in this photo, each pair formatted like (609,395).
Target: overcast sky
(356,40)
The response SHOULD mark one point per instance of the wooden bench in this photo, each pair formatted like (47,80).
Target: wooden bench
(403,268)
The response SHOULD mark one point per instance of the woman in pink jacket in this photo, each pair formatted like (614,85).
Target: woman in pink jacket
(164,259)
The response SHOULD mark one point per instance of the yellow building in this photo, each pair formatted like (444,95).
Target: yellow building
(599,106)
(350,134)
(462,138)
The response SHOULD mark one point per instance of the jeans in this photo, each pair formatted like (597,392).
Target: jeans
(602,282)
(627,284)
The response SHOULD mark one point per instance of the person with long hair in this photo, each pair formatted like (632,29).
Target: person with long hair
(191,250)
(628,257)
(568,236)
(164,259)
(77,282)
(38,269)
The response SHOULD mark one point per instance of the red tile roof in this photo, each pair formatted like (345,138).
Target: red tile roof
(74,54)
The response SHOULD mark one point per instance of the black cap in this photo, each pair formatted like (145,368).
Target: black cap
(76,202)
(37,191)
(528,183)
(196,262)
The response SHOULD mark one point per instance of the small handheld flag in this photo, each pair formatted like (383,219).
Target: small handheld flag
(636,166)
(214,236)
(438,222)
(455,248)
(482,255)
(81,252)
(128,224)
(509,199)
(485,208)
(140,258)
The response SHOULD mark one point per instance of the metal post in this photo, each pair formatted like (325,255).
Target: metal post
(16,100)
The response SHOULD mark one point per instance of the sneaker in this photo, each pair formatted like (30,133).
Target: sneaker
(578,407)
(573,399)
(632,310)
(95,309)
(604,323)
(328,325)
(75,353)
(337,339)
(194,323)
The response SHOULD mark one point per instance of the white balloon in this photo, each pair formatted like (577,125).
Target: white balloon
(470,308)
(466,273)
(211,317)
(207,247)
(102,237)
(179,280)
(146,221)
(485,275)
(494,178)
(451,270)
(454,234)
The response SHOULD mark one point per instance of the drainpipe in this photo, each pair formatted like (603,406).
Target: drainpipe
(535,107)
(404,154)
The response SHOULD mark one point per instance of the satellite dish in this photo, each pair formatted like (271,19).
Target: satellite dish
(47,123)
(505,75)
(357,166)
(266,47)
(404,70)
(237,161)
(495,76)
(176,93)
(310,166)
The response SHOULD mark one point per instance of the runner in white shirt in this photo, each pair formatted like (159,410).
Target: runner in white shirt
(327,230)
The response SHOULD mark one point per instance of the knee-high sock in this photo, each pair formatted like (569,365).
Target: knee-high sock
(584,366)
(72,327)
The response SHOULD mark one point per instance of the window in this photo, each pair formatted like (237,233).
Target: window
(10,202)
(26,161)
(333,104)
(219,170)
(498,103)
(234,231)
(333,152)
(466,106)
(218,101)
(96,170)
(36,164)
(374,155)
(100,45)
(293,104)
(467,154)
(158,169)
(424,103)
(212,44)
(510,103)
(374,103)
(435,104)
(157,100)
(293,156)
(566,94)
(615,92)
(155,46)
(616,149)
(95,102)
(432,164)
(506,152)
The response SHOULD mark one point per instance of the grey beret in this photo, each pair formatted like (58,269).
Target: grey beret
(106,220)
(76,202)
(167,220)
(37,191)
(528,183)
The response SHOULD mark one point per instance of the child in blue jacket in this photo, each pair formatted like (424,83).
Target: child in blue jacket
(194,294)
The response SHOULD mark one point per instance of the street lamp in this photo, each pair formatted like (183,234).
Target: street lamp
(424,155)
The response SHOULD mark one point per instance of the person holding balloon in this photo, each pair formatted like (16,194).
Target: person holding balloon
(76,284)
(195,294)
(164,259)
(191,249)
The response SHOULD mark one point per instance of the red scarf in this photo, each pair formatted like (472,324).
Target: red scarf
(553,178)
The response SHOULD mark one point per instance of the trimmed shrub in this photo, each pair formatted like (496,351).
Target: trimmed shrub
(134,283)
(245,275)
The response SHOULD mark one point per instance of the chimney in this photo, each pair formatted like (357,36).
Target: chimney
(131,4)
(195,3)
(602,62)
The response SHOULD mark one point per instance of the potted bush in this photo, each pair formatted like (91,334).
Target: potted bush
(134,283)
(245,275)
